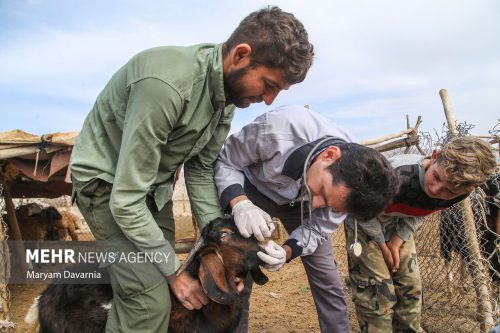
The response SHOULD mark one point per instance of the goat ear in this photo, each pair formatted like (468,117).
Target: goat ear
(259,277)
(217,286)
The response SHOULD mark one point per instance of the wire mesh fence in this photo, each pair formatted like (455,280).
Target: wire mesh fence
(6,325)
(459,285)
(458,252)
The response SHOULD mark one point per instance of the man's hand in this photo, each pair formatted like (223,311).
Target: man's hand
(386,253)
(188,291)
(250,219)
(394,245)
(274,256)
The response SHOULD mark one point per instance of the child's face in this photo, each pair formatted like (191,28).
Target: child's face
(435,182)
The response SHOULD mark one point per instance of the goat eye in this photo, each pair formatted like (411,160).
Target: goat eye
(225,234)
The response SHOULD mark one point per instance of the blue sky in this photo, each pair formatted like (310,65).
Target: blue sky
(376,61)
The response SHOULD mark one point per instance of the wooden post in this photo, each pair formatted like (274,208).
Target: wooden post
(497,224)
(4,273)
(184,246)
(448,112)
(409,138)
(476,268)
(14,226)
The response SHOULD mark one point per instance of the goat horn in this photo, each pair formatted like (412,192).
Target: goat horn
(196,247)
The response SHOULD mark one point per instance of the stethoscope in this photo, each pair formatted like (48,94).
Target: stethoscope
(355,248)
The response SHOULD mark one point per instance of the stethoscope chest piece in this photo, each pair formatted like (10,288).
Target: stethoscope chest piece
(356,249)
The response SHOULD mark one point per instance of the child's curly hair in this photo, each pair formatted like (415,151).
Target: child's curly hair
(468,162)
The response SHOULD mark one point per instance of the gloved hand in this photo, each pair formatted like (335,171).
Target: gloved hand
(274,256)
(250,219)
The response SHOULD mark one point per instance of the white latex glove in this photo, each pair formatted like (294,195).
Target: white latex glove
(250,219)
(274,256)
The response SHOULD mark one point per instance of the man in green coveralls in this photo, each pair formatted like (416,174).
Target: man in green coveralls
(166,107)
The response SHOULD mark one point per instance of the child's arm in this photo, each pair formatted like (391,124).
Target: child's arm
(393,245)
(388,257)
(407,226)
(404,228)
(373,228)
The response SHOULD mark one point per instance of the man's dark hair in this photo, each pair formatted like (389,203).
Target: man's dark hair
(278,40)
(372,180)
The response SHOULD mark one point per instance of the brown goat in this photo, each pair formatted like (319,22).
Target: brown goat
(61,224)
(218,259)
(30,221)
(37,223)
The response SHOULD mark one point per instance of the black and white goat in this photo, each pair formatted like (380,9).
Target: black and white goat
(218,259)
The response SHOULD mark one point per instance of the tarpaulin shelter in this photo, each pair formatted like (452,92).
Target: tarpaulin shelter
(37,166)
(31,166)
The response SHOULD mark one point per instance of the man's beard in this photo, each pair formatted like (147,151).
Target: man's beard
(234,87)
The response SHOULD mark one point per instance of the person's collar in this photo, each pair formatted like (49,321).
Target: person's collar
(216,78)
(294,164)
